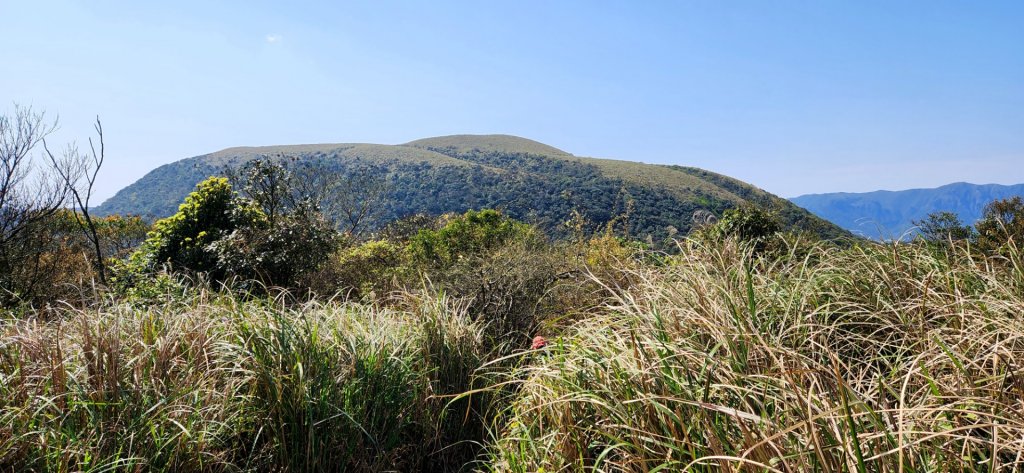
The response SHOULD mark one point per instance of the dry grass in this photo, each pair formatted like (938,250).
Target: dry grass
(212,384)
(812,358)
(881,358)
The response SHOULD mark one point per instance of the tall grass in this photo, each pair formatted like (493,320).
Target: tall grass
(213,384)
(876,358)
(804,357)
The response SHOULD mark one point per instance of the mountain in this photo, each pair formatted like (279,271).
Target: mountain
(889,214)
(529,180)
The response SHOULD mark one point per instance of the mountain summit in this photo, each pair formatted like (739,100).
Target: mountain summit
(527,179)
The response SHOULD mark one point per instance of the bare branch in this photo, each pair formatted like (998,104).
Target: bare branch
(72,168)
(29,196)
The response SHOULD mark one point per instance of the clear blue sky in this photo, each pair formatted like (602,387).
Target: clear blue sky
(795,97)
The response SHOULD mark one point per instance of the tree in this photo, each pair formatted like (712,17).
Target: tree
(225,235)
(297,238)
(34,237)
(470,234)
(277,254)
(1001,224)
(943,228)
(182,240)
(269,184)
(748,224)
(77,173)
(29,196)
(350,198)
(353,198)
(501,266)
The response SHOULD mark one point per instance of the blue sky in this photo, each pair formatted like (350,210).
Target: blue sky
(793,96)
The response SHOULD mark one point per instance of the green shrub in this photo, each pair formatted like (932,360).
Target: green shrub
(182,240)
(503,267)
(1002,226)
(944,228)
(368,271)
(749,224)
(472,233)
(280,254)
(223,236)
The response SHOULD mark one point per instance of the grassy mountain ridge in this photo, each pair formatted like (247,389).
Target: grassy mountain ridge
(889,214)
(529,180)
(459,144)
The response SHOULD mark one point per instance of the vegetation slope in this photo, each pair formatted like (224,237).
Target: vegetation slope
(247,332)
(527,180)
(807,357)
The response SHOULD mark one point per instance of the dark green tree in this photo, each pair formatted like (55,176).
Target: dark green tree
(277,254)
(749,224)
(297,237)
(224,235)
(467,235)
(1001,224)
(944,228)
(268,184)
(210,213)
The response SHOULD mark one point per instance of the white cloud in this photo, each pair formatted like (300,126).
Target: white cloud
(274,38)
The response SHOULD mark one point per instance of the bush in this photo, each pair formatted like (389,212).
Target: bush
(280,254)
(944,228)
(503,267)
(183,240)
(225,236)
(472,233)
(748,224)
(1001,225)
(368,271)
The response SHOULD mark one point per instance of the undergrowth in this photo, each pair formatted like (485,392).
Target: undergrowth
(214,384)
(815,358)
(801,356)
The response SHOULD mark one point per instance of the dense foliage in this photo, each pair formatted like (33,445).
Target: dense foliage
(209,214)
(999,230)
(222,235)
(943,227)
(248,333)
(523,182)
(473,233)
(748,224)
(1002,225)
(810,357)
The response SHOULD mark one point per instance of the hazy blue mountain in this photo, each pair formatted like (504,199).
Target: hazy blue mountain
(888,214)
(528,180)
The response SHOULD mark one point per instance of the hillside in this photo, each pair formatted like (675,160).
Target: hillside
(529,180)
(889,214)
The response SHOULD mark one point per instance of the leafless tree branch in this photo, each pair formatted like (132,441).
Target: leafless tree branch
(72,168)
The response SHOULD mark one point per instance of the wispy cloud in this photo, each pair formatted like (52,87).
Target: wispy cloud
(274,38)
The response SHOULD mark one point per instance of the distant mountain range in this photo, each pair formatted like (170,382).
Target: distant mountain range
(530,181)
(889,214)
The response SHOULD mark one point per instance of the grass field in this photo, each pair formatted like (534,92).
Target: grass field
(807,358)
